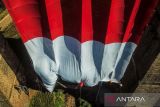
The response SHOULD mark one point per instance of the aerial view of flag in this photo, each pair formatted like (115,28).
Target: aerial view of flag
(80,40)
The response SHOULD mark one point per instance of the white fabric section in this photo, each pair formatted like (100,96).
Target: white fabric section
(39,50)
(90,74)
(67,57)
(123,60)
(90,62)
(109,58)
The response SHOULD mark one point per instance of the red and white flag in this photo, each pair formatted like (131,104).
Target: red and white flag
(80,40)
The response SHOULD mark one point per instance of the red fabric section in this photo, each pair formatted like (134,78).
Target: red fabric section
(72,18)
(130,25)
(143,17)
(100,16)
(44,19)
(116,20)
(129,4)
(87,30)
(26,16)
(106,21)
(55,17)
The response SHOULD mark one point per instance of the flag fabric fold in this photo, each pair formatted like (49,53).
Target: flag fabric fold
(80,40)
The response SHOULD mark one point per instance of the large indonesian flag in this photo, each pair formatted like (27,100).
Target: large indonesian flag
(80,40)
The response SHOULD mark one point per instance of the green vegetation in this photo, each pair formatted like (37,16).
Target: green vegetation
(55,99)
(84,103)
